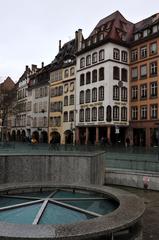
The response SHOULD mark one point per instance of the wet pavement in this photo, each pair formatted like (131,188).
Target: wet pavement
(151,215)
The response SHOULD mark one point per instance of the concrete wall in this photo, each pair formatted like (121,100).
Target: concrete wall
(77,169)
(132,178)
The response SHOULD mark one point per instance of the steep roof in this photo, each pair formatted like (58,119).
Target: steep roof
(8,84)
(147,22)
(115,25)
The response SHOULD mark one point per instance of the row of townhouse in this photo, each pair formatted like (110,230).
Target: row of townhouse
(102,89)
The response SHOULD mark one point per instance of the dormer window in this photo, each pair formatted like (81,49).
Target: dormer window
(83,45)
(145,33)
(155,29)
(89,43)
(101,37)
(94,39)
(137,36)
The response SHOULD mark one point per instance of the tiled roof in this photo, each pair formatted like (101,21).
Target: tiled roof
(146,22)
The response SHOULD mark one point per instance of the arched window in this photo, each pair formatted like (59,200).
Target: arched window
(82,79)
(81,115)
(82,62)
(101,55)
(116,73)
(66,101)
(116,54)
(81,97)
(124,75)
(94,57)
(101,113)
(65,117)
(94,114)
(88,77)
(88,96)
(94,76)
(101,36)
(66,73)
(94,94)
(71,116)
(124,56)
(109,113)
(88,60)
(101,93)
(87,115)
(116,113)
(124,94)
(101,74)
(123,114)
(115,92)
(72,71)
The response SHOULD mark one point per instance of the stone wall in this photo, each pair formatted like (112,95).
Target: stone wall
(68,169)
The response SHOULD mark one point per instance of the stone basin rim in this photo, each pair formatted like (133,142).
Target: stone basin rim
(129,212)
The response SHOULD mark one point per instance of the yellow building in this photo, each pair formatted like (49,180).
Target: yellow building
(62,77)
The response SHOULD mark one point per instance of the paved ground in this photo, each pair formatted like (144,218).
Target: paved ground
(151,215)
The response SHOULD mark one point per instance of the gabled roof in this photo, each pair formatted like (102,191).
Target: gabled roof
(114,24)
(147,22)
(8,84)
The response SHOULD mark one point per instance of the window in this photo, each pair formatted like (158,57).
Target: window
(115,92)
(123,114)
(72,71)
(116,113)
(153,89)
(82,79)
(124,75)
(101,93)
(71,99)
(87,115)
(134,55)
(88,78)
(153,48)
(143,112)
(95,39)
(94,94)
(143,91)
(124,94)
(71,86)
(134,113)
(153,69)
(109,113)
(88,96)
(65,117)
(81,97)
(65,88)
(155,29)
(101,37)
(134,93)
(94,114)
(143,71)
(94,76)
(81,115)
(124,56)
(116,73)
(101,74)
(143,52)
(66,73)
(134,73)
(88,60)
(71,116)
(116,54)
(101,113)
(153,111)
(101,55)
(66,101)
(94,57)
(82,62)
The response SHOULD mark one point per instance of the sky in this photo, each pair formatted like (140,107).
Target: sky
(31,29)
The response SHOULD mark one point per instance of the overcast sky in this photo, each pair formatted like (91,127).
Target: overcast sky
(30,29)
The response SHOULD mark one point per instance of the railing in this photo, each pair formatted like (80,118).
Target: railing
(131,158)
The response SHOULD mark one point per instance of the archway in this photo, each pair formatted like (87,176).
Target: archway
(23,136)
(13,135)
(44,137)
(55,138)
(36,135)
(68,137)
(18,135)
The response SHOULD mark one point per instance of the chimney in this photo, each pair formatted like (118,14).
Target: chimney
(42,64)
(80,37)
(33,68)
(26,68)
(59,45)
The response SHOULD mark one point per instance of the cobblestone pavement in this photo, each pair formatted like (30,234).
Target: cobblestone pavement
(151,215)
